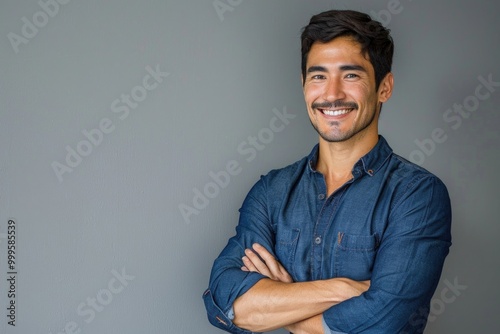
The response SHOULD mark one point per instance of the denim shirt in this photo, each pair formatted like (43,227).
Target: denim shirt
(389,224)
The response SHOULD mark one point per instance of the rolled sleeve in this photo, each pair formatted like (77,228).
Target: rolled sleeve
(227,280)
(218,317)
(407,268)
(220,296)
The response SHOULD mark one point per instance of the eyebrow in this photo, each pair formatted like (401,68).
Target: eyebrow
(352,68)
(316,69)
(349,67)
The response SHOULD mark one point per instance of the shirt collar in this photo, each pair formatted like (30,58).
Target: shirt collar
(369,163)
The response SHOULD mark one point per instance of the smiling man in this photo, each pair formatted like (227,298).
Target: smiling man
(352,238)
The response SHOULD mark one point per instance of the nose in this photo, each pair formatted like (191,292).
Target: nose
(334,89)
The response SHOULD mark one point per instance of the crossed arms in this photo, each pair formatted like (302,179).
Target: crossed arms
(261,296)
(277,302)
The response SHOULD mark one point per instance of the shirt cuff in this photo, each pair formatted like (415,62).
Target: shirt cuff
(230,313)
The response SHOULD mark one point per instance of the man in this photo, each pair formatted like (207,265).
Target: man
(352,238)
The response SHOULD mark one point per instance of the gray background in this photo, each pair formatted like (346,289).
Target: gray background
(119,208)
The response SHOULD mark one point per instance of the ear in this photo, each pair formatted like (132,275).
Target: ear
(385,88)
(302,79)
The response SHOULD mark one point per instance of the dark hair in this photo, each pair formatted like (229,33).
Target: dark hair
(375,40)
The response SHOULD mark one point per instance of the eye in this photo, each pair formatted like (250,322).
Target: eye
(318,77)
(351,76)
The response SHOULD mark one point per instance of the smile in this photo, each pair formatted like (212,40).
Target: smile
(336,112)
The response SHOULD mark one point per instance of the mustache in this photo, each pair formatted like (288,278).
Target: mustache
(334,104)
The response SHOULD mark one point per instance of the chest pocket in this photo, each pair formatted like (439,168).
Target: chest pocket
(355,255)
(286,246)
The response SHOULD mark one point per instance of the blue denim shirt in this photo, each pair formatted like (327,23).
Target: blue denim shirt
(389,224)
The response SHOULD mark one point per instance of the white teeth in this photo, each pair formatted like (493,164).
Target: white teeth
(336,112)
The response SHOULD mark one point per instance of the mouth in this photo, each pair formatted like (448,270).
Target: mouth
(337,112)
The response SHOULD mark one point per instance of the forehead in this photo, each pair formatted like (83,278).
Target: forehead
(341,50)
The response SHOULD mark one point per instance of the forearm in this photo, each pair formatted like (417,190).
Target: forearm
(312,325)
(270,304)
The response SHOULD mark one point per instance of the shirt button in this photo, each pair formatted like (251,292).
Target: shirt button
(317,240)
(321,196)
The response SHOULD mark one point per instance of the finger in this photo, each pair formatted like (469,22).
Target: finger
(266,256)
(285,276)
(277,270)
(248,264)
(269,259)
(256,263)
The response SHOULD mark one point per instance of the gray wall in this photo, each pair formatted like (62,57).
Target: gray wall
(101,243)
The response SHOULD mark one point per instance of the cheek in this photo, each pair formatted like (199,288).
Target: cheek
(361,96)
(312,93)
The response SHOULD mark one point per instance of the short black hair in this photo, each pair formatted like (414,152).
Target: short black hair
(374,38)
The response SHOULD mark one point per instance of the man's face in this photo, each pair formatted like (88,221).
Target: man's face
(339,91)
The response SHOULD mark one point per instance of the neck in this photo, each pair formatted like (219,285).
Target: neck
(336,160)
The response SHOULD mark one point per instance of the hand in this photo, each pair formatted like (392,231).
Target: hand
(275,303)
(266,265)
